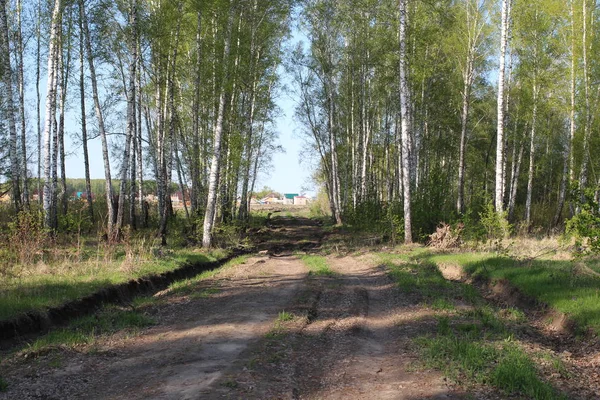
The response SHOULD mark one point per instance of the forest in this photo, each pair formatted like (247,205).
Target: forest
(415,113)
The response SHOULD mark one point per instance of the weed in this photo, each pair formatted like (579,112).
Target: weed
(317,265)
(285,316)
(52,286)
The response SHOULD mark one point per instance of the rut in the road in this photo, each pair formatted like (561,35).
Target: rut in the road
(355,345)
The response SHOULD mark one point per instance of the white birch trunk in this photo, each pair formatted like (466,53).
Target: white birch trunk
(10,108)
(50,107)
(405,136)
(84,139)
(39,100)
(131,117)
(500,127)
(587,114)
(100,117)
(531,153)
(21,82)
(215,166)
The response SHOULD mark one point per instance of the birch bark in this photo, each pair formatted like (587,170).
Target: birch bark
(100,117)
(50,107)
(218,131)
(500,127)
(10,108)
(405,135)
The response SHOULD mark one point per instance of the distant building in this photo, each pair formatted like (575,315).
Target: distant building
(288,198)
(300,200)
(271,198)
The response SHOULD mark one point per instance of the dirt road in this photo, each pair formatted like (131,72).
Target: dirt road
(342,336)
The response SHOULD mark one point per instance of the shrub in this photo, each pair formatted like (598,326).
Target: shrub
(495,224)
(27,236)
(585,225)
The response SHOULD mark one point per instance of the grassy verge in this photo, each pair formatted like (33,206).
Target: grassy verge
(571,287)
(192,286)
(317,265)
(472,345)
(87,330)
(424,279)
(43,287)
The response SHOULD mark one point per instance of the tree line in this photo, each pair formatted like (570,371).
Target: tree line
(181,90)
(425,111)
(435,109)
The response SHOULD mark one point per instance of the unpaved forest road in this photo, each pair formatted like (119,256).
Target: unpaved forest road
(354,341)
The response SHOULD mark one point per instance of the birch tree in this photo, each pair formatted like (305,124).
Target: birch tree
(7,75)
(499,195)
(405,138)
(49,207)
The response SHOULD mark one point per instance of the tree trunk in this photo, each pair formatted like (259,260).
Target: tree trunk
(86,158)
(587,114)
(500,128)
(515,183)
(50,107)
(100,117)
(405,137)
(131,118)
(15,173)
(466,96)
(21,82)
(39,100)
(65,72)
(531,153)
(195,164)
(218,130)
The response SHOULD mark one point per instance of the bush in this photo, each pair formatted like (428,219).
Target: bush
(27,237)
(585,225)
(495,224)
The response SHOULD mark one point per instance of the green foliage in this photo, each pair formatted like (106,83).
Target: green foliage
(3,385)
(585,224)
(77,220)
(320,207)
(377,218)
(25,240)
(495,224)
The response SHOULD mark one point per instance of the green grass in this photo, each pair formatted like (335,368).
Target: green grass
(505,366)
(86,330)
(317,265)
(57,285)
(563,285)
(3,385)
(191,286)
(476,347)
(473,346)
(285,316)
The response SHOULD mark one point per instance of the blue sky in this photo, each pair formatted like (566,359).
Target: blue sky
(289,173)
